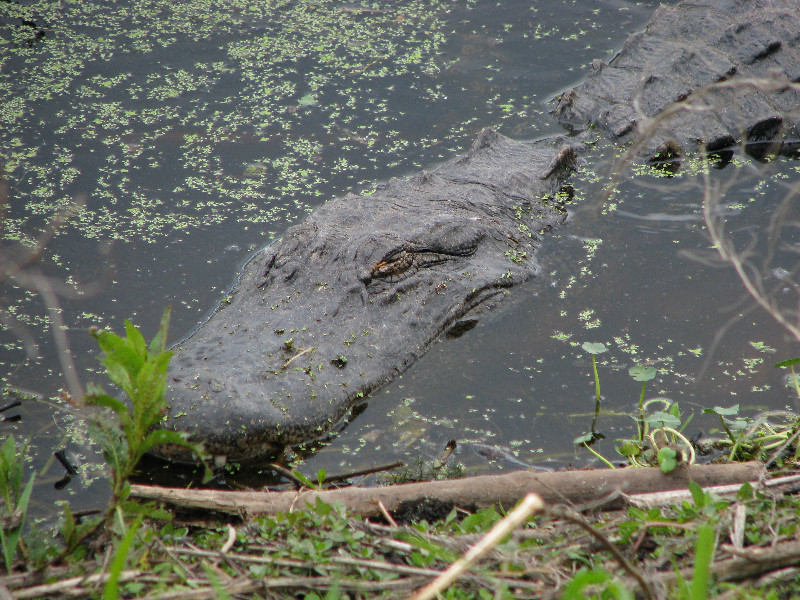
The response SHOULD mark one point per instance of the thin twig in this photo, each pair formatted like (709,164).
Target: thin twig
(296,356)
(299,483)
(230,541)
(386,514)
(361,472)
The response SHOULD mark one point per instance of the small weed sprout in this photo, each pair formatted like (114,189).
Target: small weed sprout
(308,483)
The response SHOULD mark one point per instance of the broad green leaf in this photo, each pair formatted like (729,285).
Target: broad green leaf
(629,449)
(106,401)
(119,350)
(10,539)
(575,589)
(160,437)
(596,578)
(10,471)
(667,460)
(745,492)
(136,339)
(306,481)
(642,373)
(737,425)
(148,400)
(698,495)
(594,347)
(659,418)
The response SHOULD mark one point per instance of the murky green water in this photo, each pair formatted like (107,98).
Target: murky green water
(194,133)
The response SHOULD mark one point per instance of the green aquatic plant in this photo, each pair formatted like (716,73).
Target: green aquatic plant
(658,440)
(752,438)
(587,439)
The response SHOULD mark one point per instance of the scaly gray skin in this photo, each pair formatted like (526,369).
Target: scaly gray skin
(684,49)
(355,294)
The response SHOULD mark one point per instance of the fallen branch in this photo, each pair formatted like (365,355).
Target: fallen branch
(570,487)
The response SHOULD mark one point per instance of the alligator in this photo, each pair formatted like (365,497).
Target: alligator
(352,296)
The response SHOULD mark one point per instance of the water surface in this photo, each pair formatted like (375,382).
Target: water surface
(194,135)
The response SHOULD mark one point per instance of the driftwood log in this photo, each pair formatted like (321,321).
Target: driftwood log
(471,493)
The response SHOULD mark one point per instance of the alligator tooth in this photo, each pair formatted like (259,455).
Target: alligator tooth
(220,460)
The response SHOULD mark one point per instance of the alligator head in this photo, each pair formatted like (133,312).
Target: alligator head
(352,296)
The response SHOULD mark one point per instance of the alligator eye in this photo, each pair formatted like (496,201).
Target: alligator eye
(394,265)
(400,264)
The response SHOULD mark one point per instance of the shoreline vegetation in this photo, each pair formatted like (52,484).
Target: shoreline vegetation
(735,541)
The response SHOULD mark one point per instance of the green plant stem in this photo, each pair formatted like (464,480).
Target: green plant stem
(727,430)
(599,456)
(596,381)
(640,423)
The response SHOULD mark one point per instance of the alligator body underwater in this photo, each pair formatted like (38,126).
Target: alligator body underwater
(352,296)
